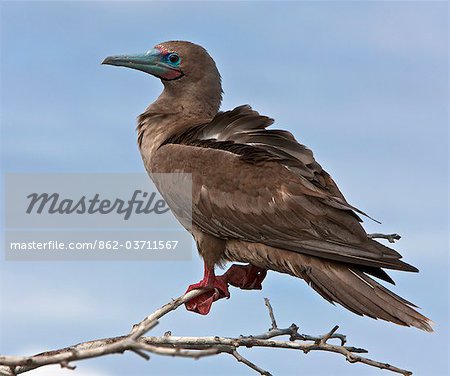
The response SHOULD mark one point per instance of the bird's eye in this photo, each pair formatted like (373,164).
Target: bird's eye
(173,58)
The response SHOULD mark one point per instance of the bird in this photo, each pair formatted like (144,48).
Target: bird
(260,200)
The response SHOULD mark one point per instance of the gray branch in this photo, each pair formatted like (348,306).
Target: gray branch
(191,347)
(391,238)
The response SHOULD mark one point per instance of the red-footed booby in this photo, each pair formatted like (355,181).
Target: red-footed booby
(258,196)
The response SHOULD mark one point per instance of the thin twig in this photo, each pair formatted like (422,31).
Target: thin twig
(248,363)
(272,316)
(327,336)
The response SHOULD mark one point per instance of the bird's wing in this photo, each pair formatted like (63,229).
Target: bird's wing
(263,186)
(244,131)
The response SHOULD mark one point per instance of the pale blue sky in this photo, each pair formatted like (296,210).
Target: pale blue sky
(364,84)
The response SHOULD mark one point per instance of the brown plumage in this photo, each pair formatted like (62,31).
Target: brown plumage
(258,196)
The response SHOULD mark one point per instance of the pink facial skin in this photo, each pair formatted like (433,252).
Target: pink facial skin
(172,73)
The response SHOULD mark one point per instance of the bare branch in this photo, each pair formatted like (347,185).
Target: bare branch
(191,347)
(152,320)
(391,238)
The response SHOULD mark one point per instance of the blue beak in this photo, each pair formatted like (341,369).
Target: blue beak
(150,62)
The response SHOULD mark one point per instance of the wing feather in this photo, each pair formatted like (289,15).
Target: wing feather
(263,186)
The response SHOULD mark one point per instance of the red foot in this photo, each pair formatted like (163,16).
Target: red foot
(219,289)
(246,277)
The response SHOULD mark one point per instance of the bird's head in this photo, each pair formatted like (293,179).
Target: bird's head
(186,69)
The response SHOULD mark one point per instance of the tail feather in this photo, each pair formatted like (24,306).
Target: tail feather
(337,282)
(359,293)
(377,272)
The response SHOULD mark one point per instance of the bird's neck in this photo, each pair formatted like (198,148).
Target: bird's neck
(169,115)
(201,100)
(177,108)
